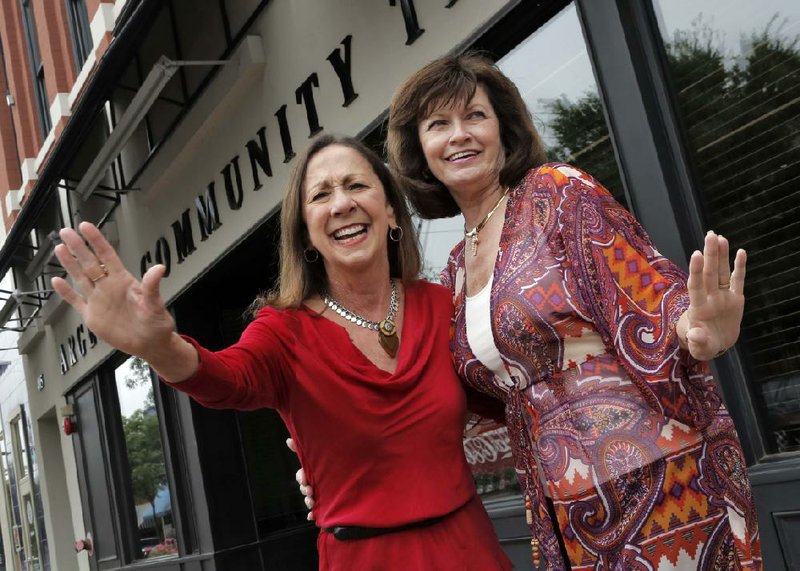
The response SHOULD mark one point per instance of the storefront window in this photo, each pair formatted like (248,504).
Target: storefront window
(736,72)
(5,481)
(155,528)
(20,448)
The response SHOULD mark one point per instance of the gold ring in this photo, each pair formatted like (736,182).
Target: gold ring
(726,285)
(104,274)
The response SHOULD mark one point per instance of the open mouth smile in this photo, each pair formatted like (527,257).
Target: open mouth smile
(349,233)
(461,155)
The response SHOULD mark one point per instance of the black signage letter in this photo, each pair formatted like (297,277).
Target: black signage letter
(62,359)
(342,68)
(93,337)
(145,263)
(235,195)
(286,137)
(451,3)
(413,31)
(259,155)
(163,256)
(305,94)
(184,241)
(81,341)
(71,355)
(207,212)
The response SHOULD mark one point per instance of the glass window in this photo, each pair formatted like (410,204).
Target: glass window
(736,72)
(81,32)
(5,481)
(40,91)
(20,448)
(149,490)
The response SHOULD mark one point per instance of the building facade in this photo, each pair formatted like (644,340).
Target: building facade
(173,125)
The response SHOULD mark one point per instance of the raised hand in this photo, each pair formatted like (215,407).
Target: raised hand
(716,298)
(125,313)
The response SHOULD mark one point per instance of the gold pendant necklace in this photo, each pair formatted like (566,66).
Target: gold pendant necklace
(473,234)
(387,330)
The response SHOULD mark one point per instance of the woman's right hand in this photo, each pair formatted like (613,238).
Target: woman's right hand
(125,313)
(302,482)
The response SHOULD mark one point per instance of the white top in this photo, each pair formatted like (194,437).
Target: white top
(479,333)
(481,341)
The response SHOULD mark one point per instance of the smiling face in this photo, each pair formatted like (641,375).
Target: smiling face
(345,211)
(462,145)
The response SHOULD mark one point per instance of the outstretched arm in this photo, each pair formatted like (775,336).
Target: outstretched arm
(716,300)
(122,311)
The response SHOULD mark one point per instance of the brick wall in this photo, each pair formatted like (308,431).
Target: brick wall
(23,149)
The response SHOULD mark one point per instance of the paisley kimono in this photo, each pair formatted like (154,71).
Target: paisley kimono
(635,446)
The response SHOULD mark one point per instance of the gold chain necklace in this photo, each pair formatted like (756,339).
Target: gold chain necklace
(387,330)
(473,234)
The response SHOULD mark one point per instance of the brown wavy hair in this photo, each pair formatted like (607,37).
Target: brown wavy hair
(451,81)
(300,279)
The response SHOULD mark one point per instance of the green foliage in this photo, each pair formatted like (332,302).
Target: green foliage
(582,139)
(144,455)
(140,375)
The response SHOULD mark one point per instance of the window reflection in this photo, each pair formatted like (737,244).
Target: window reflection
(20,448)
(555,79)
(149,490)
(736,71)
(488,452)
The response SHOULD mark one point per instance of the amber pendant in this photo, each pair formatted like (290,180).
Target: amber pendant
(387,335)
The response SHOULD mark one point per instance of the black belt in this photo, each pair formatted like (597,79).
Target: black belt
(351,532)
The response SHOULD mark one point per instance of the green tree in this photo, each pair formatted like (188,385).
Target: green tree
(140,375)
(144,456)
(582,139)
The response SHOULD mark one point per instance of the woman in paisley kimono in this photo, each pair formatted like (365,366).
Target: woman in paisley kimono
(595,342)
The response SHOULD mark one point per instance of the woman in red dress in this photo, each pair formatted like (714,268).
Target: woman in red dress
(351,349)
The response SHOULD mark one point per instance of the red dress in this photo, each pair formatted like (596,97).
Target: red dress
(380,449)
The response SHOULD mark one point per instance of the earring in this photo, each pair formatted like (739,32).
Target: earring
(395,234)
(310,255)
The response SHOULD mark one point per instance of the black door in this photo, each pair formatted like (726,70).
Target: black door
(91,455)
(256,514)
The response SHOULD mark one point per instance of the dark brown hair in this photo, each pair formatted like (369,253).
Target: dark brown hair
(451,81)
(300,279)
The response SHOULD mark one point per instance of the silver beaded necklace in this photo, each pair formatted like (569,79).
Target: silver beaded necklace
(386,328)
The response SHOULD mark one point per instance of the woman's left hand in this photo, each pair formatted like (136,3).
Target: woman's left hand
(716,299)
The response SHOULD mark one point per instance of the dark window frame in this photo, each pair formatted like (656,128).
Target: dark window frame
(120,469)
(80,29)
(37,68)
(744,402)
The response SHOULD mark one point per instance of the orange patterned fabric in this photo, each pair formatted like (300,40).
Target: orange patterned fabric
(637,450)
